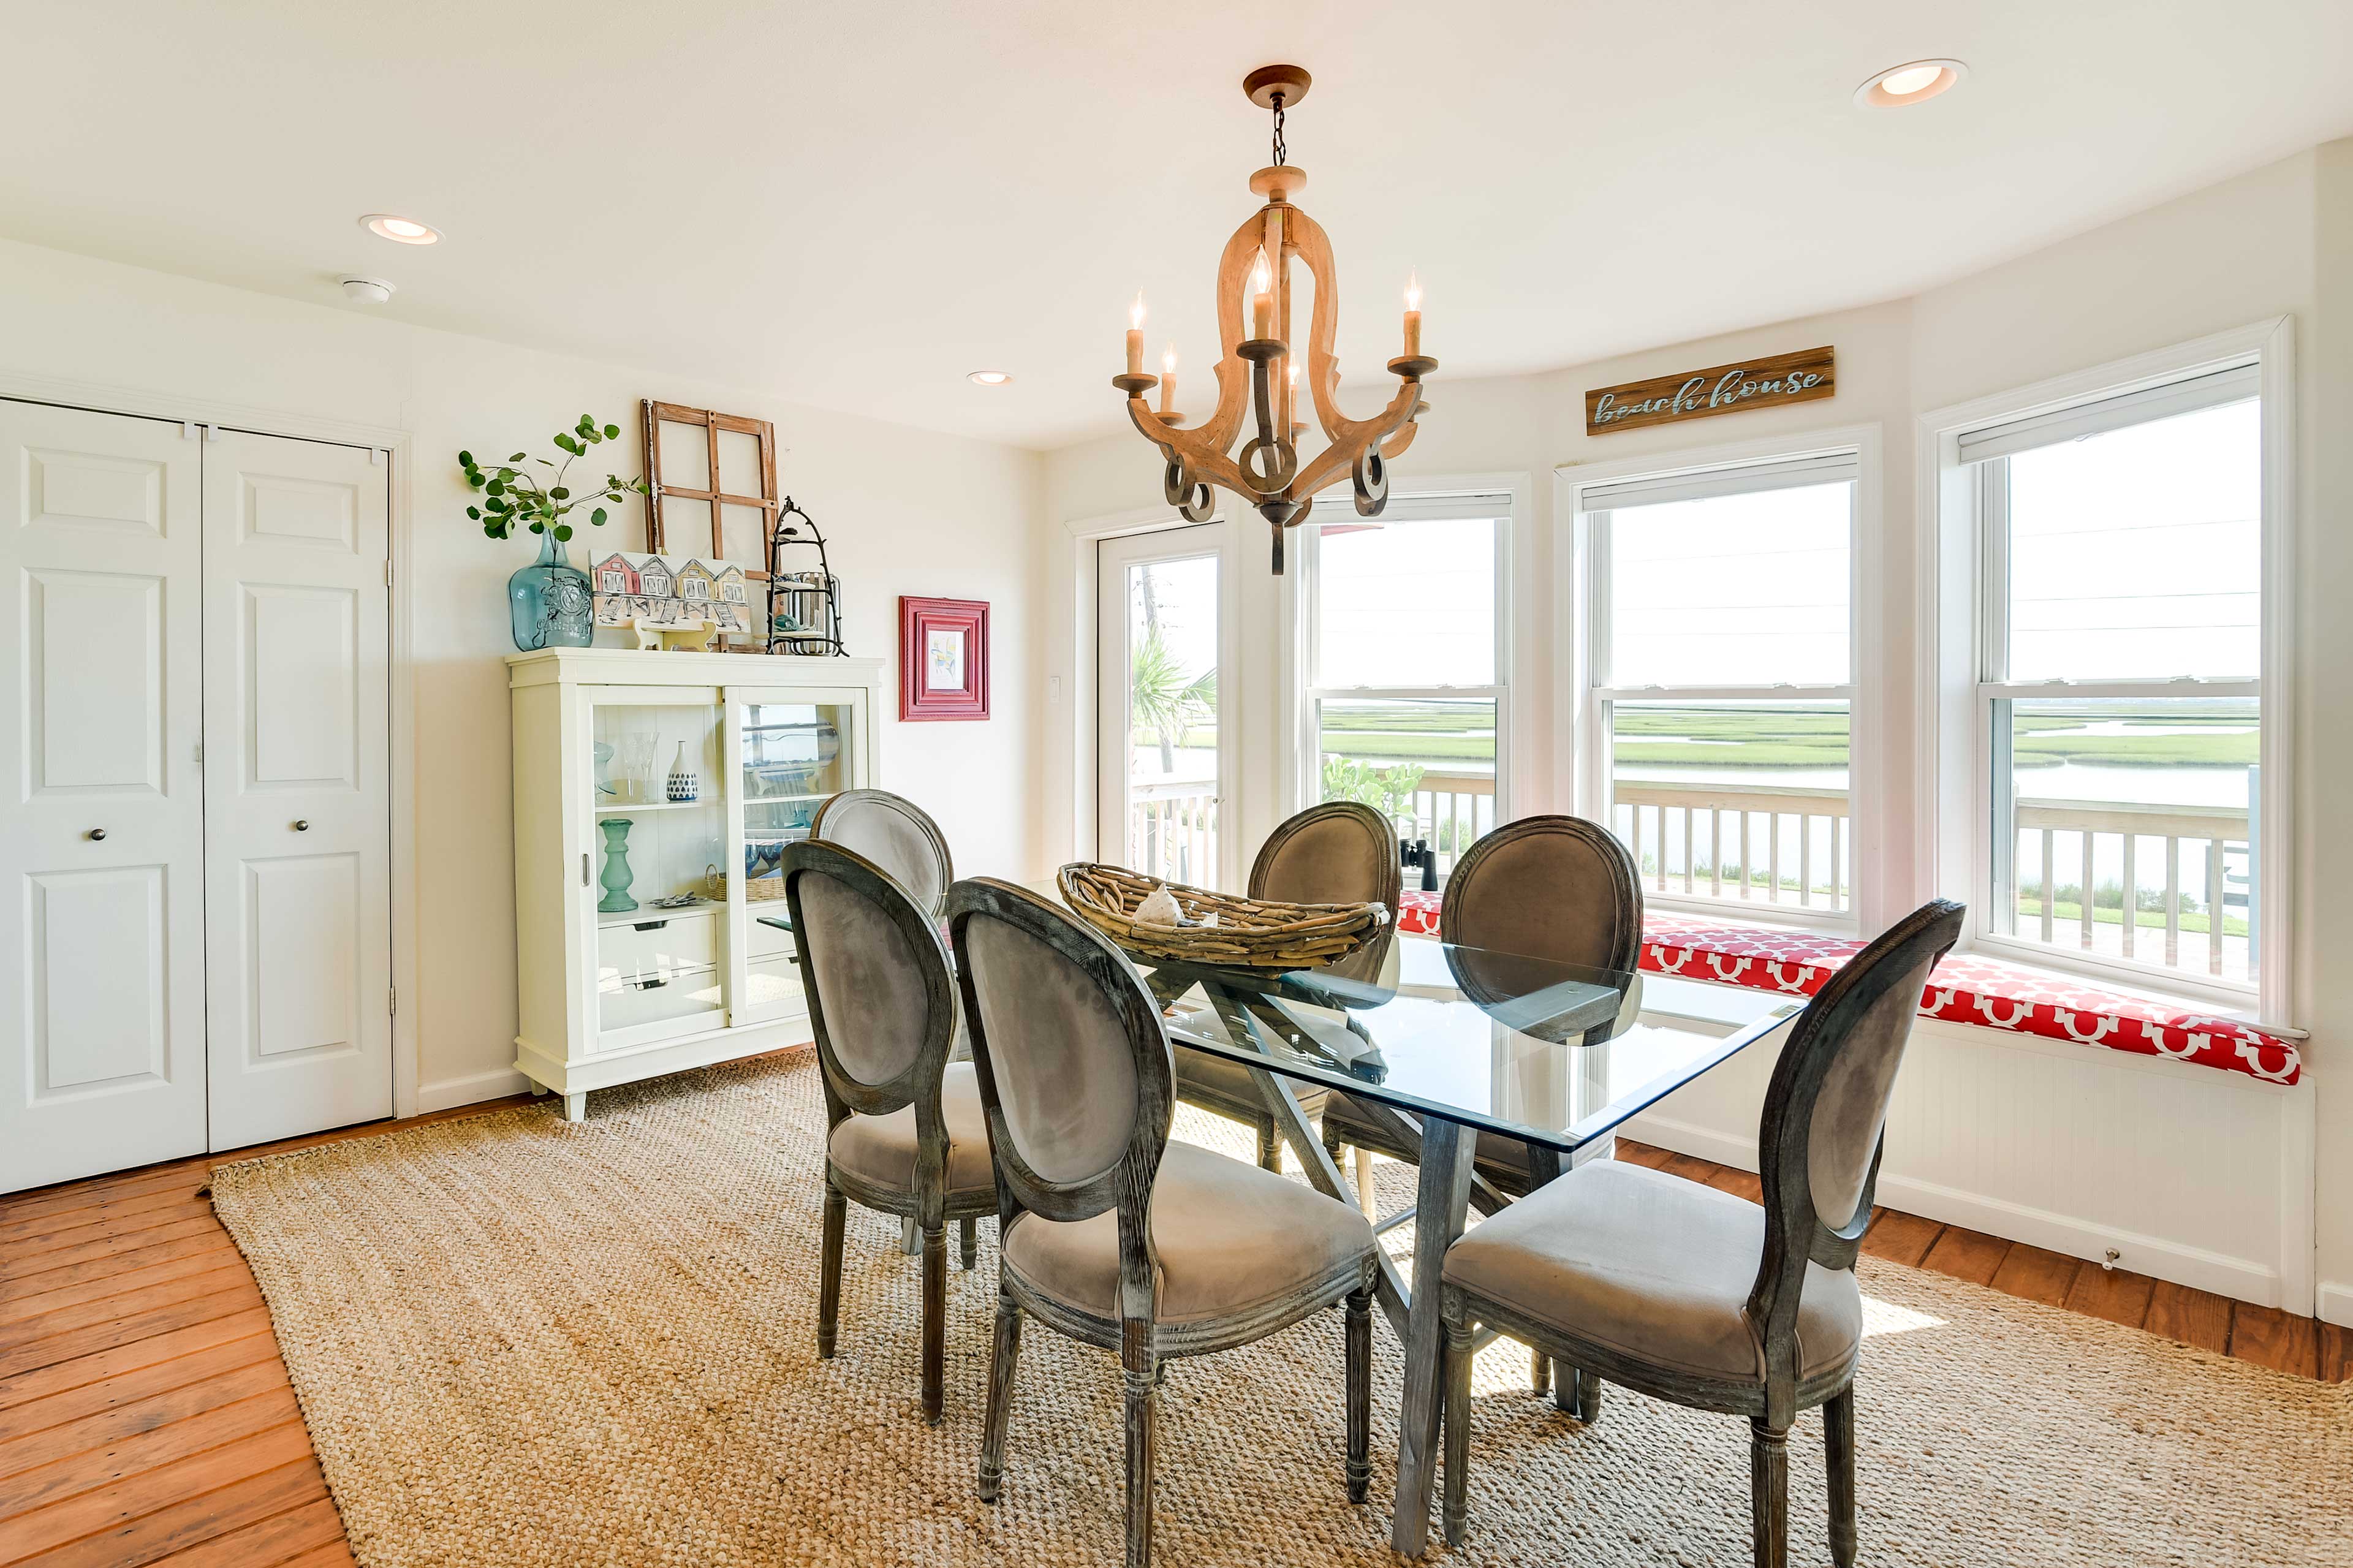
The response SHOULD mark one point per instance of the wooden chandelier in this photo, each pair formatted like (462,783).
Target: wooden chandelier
(1256,375)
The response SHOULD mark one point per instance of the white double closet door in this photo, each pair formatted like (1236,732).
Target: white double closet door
(194,875)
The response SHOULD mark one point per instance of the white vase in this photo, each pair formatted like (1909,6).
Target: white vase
(683,784)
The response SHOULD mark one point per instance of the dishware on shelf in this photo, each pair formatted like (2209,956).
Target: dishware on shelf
(603,752)
(683,786)
(633,765)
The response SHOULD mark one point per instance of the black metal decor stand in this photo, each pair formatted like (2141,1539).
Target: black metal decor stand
(809,602)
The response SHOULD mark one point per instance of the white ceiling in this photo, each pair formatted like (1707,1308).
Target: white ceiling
(854,204)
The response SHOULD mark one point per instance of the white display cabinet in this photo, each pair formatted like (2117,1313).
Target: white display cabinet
(640,950)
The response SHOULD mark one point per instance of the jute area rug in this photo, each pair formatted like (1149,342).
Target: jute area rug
(518,1341)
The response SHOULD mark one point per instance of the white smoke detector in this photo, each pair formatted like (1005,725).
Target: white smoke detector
(366,290)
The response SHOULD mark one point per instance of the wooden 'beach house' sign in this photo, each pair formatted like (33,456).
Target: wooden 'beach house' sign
(1799,377)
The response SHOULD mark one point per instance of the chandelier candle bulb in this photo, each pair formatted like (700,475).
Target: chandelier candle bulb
(1168,382)
(1135,337)
(1413,315)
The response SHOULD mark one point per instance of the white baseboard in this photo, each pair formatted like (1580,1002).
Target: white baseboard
(2074,1150)
(448,1093)
(2334,1304)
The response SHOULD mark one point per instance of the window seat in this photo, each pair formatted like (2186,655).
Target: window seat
(1967,988)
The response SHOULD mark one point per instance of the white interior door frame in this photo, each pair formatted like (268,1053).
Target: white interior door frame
(103,398)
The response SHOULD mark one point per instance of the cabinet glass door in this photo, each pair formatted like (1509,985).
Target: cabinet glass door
(657,841)
(790,750)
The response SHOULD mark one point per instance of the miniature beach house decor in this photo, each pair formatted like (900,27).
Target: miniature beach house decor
(672,604)
(942,658)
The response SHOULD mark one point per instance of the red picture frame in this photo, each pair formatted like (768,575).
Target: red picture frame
(942,658)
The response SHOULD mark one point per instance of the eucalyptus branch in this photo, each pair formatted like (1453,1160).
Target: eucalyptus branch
(511,496)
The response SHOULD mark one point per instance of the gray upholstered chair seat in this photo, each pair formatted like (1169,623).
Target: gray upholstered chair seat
(1652,1267)
(1230,1238)
(881,1149)
(1204,1073)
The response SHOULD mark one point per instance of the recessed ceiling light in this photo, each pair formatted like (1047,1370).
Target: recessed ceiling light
(990,377)
(400,230)
(1915,81)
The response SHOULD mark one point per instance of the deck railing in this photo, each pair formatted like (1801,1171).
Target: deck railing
(1172,831)
(1452,811)
(1756,842)
(2215,836)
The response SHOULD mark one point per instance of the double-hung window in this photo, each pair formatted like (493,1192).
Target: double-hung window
(2119,691)
(1405,662)
(1721,680)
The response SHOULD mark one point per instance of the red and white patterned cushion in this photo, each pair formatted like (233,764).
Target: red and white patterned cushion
(1967,988)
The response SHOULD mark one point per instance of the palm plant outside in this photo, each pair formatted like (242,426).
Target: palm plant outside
(1163,697)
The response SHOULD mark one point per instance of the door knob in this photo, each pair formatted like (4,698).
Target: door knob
(97,833)
(302,825)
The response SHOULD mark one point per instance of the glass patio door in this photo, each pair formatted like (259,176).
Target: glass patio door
(1162,741)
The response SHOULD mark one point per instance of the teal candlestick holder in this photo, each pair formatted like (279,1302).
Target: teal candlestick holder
(618,874)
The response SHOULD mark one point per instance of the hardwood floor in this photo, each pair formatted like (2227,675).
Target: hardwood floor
(2263,1335)
(145,1416)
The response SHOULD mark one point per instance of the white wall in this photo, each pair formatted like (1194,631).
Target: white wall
(2276,241)
(908,511)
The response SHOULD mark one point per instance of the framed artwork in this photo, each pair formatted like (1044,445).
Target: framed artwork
(942,658)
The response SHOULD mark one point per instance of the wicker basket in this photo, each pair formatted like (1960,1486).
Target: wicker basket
(756,891)
(1251,933)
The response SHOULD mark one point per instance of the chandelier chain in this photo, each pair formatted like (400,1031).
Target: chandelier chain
(1281,154)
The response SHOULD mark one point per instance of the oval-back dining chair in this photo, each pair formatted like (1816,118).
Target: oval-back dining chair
(904,1131)
(1700,1297)
(895,834)
(1109,1233)
(1558,887)
(1341,852)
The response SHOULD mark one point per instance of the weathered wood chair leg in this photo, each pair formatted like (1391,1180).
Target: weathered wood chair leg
(1360,1393)
(1768,1490)
(1270,1147)
(1000,1396)
(935,1320)
(1838,1432)
(1539,1371)
(1368,1198)
(1578,1395)
(971,1243)
(828,1279)
(1456,1460)
(1142,1417)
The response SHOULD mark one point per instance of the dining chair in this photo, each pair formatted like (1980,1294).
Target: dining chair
(1554,886)
(904,1131)
(1341,852)
(901,838)
(895,834)
(1109,1233)
(1699,1297)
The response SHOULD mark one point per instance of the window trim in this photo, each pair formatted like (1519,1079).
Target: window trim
(1953,779)
(1583,491)
(1504,495)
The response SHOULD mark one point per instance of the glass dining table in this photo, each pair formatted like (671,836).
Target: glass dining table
(1436,1043)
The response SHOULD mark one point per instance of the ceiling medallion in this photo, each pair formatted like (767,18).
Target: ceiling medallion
(1256,373)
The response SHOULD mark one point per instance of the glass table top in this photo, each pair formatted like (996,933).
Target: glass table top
(1549,1053)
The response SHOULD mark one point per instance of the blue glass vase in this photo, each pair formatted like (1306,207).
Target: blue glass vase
(549,602)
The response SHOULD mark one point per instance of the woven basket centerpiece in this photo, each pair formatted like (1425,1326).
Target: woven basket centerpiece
(1248,933)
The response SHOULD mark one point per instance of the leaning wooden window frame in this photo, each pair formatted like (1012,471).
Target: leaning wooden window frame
(661,538)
